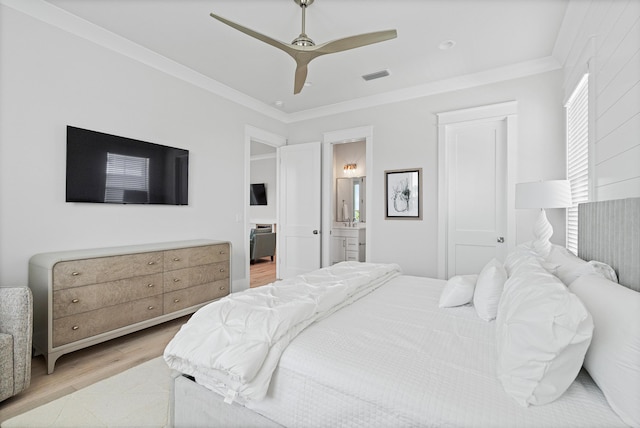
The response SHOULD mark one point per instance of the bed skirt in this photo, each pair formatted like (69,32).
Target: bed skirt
(193,405)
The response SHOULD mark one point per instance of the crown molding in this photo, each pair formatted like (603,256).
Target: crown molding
(50,14)
(514,71)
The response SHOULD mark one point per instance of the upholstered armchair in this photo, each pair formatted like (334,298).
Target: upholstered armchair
(16,327)
(262,243)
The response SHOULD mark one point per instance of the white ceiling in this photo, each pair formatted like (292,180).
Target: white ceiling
(489,34)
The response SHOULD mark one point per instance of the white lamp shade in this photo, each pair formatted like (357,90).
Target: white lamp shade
(544,194)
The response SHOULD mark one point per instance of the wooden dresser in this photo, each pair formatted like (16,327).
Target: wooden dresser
(85,297)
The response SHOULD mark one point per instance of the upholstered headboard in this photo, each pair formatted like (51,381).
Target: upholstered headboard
(609,232)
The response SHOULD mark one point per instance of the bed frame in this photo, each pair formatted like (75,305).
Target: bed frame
(609,232)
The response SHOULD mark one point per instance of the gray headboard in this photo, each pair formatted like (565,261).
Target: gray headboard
(609,232)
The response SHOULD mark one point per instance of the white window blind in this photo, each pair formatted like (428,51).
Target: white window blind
(127,179)
(577,110)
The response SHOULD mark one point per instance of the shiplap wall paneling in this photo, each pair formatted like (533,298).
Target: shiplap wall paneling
(617,138)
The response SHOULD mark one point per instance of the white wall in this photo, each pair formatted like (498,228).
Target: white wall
(263,170)
(405,136)
(49,79)
(603,38)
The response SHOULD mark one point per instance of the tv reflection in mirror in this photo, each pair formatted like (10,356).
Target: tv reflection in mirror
(104,168)
(258,194)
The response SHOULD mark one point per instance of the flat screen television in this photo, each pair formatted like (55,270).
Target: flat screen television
(105,168)
(258,194)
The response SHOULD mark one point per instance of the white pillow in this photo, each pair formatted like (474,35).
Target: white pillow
(613,359)
(458,291)
(542,334)
(571,266)
(489,289)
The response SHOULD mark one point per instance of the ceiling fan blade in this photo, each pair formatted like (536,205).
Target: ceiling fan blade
(353,42)
(301,77)
(286,47)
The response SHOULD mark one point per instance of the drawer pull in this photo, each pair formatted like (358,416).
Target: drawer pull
(75,327)
(221,269)
(222,252)
(75,273)
(149,285)
(176,300)
(151,263)
(151,307)
(176,259)
(75,301)
(176,279)
(222,287)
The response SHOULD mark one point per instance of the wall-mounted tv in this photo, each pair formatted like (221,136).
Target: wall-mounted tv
(258,194)
(106,168)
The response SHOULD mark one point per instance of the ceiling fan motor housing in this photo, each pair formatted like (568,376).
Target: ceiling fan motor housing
(303,40)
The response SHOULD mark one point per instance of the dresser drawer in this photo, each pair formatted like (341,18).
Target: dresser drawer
(75,327)
(195,256)
(70,301)
(221,270)
(180,299)
(352,244)
(75,273)
(184,278)
(352,256)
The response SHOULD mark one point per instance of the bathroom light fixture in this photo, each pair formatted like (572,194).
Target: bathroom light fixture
(350,168)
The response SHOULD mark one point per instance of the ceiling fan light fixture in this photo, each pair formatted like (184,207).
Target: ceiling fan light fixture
(376,75)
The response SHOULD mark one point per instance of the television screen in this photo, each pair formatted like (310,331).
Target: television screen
(110,169)
(258,194)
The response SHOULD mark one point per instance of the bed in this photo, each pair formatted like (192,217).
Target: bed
(389,355)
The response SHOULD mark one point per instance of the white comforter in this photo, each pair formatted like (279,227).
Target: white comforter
(233,345)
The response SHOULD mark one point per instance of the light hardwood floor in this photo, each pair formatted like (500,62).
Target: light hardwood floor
(87,366)
(262,272)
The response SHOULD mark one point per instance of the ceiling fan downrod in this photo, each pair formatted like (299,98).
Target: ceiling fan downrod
(303,39)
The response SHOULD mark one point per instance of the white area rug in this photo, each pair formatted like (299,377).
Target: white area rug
(138,397)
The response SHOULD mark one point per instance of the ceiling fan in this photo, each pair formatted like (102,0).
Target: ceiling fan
(303,49)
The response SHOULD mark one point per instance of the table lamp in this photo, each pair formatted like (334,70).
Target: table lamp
(543,194)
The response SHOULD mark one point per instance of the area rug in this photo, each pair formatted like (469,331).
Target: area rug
(138,397)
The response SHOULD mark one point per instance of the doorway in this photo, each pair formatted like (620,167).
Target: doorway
(348,164)
(262,214)
(261,167)
(476,187)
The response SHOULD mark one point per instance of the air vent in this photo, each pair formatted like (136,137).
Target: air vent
(376,75)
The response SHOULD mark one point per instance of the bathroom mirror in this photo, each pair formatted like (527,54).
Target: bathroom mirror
(350,199)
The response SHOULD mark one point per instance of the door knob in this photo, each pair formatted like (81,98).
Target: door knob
(315,232)
(500,239)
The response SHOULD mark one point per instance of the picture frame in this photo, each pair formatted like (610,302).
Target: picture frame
(403,194)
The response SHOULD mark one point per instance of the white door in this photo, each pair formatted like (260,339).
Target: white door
(300,197)
(477,194)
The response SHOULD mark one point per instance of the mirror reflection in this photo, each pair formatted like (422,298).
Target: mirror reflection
(350,199)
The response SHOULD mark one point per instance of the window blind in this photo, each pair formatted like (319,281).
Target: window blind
(127,178)
(577,116)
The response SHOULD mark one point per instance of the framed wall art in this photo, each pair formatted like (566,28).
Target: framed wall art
(403,189)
